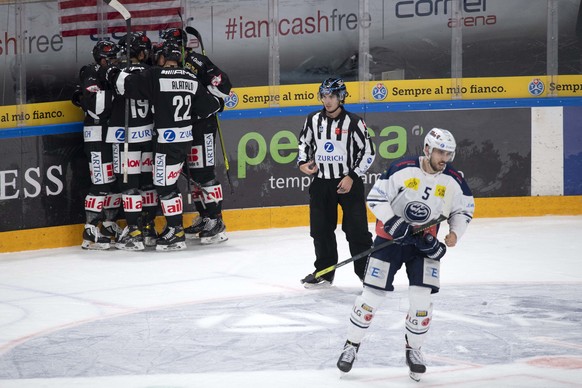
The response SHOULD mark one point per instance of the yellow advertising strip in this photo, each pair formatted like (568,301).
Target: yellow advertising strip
(421,90)
(46,113)
(386,91)
(291,216)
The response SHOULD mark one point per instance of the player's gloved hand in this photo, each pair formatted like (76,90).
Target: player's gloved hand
(398,228)
(111,74)
(431,247)
(76,97)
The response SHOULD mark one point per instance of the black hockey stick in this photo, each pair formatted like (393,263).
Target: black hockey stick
(192,31)
(366,253)
(127,17)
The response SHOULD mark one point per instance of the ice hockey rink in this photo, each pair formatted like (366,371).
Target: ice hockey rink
(509,314)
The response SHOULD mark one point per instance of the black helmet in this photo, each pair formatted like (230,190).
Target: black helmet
(176,34)
(138,42)
(333,86)
(171,51)
(105,49)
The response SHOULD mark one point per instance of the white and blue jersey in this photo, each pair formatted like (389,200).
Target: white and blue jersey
(407,191)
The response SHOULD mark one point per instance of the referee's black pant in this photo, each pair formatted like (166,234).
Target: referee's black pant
(323,214)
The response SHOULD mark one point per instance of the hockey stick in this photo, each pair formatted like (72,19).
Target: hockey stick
(192,31)
(127,17)
(366,253)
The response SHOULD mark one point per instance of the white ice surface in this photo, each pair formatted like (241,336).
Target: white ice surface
(509,314)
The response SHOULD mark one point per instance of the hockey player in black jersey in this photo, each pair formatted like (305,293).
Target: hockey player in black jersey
(139,196)
(95,98)
(177,99)
(208,226)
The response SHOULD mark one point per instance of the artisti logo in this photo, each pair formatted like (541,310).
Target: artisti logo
(231,101)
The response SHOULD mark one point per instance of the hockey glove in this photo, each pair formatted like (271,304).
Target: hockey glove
(431,247)
(77,96)
(398,228)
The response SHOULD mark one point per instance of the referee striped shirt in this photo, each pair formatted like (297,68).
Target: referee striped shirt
(339,146)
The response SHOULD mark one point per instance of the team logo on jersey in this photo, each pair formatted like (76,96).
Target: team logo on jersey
(338,131)
(320,129)
(328,147)
(231,100)
(536,87)
(417,212)
(379,92)
(120,134)
(216,80)
(169,136)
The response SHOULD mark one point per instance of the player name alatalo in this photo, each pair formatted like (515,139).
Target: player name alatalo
(168,85)
(182,85)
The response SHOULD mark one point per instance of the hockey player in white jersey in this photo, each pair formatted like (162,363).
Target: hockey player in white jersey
(412,192)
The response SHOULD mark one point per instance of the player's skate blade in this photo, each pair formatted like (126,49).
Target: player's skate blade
(220,237)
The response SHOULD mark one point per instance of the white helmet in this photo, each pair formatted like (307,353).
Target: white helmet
(441,139)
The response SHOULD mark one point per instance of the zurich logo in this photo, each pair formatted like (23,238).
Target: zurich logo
(169,136)
(379,92)
(231,101)
(536,87)
(120,134)
(328,147)
(417,212)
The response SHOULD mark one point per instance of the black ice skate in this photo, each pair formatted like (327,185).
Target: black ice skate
(310,281)
(131,239)
(150,236)
(111,230)
(92,239)
(198,224)
(213,232)
(171,239)
(415,362)
(348,356)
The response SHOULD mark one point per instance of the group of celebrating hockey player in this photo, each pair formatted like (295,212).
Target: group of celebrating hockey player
(150,112)
(409,199)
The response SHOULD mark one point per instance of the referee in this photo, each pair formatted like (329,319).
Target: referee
(335,147)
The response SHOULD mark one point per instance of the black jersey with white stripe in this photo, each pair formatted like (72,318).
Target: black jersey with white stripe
(340,146)
(177,97)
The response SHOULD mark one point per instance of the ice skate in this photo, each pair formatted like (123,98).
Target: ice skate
(311,282)
(150,235)
(348,356)
(111,230)
(213,232)
(192,232)
(131,239)
(92,239)
(171,239)
(415,362)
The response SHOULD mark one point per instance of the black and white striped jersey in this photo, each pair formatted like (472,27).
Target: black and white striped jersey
(339,146)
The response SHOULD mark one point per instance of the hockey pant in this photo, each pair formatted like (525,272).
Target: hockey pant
(201,164)
(168,162)
(139,163)
(101,172)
